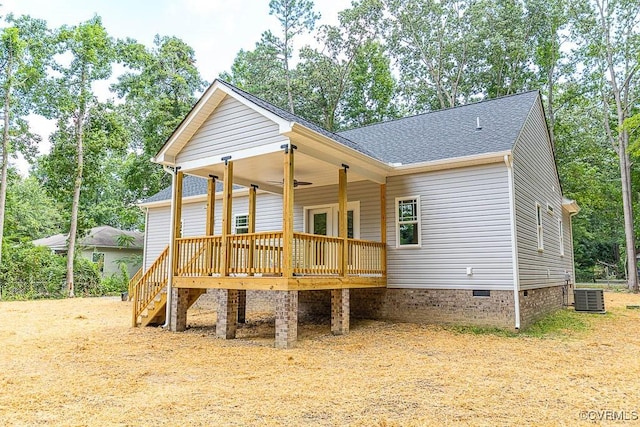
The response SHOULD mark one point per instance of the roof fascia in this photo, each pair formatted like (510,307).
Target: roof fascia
(180,137)
(451,163)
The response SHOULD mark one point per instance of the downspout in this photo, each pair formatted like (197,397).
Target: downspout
(514,244)
(172,236)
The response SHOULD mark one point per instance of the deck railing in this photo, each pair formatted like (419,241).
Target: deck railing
(152,282)
(133,282)
(261,254)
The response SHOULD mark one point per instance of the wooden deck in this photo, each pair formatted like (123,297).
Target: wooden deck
(255,261)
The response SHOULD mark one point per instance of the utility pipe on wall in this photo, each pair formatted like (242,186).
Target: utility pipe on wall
(508,160)
(172,238)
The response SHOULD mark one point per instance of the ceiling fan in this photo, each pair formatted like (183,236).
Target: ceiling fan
(295,183)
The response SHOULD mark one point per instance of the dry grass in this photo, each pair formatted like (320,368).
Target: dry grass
(77,362)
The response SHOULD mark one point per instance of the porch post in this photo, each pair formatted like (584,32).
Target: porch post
(287,217)
(178,308)
(343,226)
(242,294)
(383,227)
(227,203)
(210,221)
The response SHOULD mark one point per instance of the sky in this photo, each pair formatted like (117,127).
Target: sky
(215,29)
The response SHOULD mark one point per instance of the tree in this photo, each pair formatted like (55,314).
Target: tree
(23,54)
(295,17)
(259,72)
(31,213)
(610,38)
(349,72)
(435,45)
(158,91)
(71,98)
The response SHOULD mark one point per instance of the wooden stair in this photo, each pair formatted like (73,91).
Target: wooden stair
(149,293)
(156,311)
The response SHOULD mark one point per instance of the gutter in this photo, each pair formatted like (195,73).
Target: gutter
(508,160)
(172,239)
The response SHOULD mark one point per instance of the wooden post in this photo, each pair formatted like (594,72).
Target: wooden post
(343,226)
(177,221)
(287,212)
(210,222)
(383,226)
(211,205)
(227,202)
(252,226)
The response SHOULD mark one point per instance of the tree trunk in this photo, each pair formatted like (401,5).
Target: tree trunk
(73,228)
(5,154)
(627,204)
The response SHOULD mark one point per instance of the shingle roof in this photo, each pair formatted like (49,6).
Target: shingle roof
(450,133)
(438,135)
(191,186)
(103,236)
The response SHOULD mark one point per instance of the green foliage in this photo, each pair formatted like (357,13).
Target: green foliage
(115,283)
(30,212)
(33,272)
(30,272)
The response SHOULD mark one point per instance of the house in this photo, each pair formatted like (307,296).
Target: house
(455,216)
(106,246)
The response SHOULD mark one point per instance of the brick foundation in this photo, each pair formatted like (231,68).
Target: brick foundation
(340,311)
(179,305)
(286,318)
(227,314)
(540,302)
(444,306)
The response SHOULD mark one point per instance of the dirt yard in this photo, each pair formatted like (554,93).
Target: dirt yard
(78,362)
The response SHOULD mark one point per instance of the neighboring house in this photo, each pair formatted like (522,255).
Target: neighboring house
(106,246)
(454,216)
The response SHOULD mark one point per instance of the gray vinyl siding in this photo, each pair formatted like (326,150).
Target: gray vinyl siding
(157,231)
(536,181)
(231,127)
(465,222)
(365,192)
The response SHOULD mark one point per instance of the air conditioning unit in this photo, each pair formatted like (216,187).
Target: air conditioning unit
(589,300)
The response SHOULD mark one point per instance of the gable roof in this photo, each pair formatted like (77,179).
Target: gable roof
(449,133)
(103,236)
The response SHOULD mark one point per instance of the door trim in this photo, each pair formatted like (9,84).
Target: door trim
(351,206)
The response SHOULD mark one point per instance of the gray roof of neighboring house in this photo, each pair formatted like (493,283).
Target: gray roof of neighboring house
(103,236)
(448,133)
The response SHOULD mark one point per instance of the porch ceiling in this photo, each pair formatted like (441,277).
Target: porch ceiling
(267,170)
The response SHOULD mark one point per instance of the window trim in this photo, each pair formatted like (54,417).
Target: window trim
(418,221)
(561,236)
(235,223)
(539,227)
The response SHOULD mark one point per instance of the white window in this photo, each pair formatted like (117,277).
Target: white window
(408,222)
(241,224)
(561,236)
(539,228)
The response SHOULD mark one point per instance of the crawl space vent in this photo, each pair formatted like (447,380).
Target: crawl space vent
(589,300)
